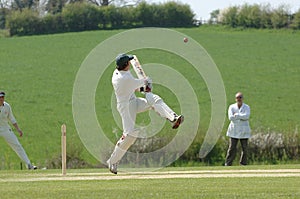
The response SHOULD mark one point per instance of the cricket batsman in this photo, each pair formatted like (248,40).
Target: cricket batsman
(6,115)
(128,105)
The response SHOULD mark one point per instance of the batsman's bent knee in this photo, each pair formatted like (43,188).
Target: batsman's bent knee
(153,99)
(126,141)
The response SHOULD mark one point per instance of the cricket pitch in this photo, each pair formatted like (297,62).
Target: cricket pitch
(154,175)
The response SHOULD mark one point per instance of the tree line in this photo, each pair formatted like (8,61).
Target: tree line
(80,16)
(31,17)
(257,16)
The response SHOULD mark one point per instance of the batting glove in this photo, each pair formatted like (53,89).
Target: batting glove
(148,85)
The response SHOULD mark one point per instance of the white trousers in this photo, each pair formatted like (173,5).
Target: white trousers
(14,143)
(128,112)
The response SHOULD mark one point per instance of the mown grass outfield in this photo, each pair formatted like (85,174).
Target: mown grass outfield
(38,73)
(198,182)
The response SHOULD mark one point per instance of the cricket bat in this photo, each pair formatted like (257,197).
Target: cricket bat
(140,72)
(138,68)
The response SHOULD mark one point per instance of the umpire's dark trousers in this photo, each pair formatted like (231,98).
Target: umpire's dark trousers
(231,153)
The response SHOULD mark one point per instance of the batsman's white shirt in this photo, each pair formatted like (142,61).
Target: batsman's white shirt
(127,103)
(124,85)
(239,121)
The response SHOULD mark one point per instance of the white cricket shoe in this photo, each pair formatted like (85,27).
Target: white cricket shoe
(32,167)
(177,121)
(113,167)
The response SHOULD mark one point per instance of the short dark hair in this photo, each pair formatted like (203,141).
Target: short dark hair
(2,93)
(121,67)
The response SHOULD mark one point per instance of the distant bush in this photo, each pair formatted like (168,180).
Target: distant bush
(51,24)
(73,161)
(25,22)
(84,16)
(258,16)
(274,147)
(249,16)
(280,17)
(80,16)
(230,16)
(296,20)
(269,148)
(3,14)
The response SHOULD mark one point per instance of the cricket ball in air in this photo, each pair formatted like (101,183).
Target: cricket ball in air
(185,40)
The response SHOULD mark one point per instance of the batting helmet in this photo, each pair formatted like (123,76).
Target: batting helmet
(122,59)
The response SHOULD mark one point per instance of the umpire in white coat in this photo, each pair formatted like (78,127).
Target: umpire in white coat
(6,115)
(129,105)
(239,129)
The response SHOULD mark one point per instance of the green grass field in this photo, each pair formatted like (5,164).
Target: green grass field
(38,73)
(212,182)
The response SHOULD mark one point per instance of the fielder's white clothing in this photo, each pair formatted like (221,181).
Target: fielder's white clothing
(239,121)
(128,105)
(6,115)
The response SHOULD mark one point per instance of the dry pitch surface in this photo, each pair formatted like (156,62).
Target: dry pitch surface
(155,175)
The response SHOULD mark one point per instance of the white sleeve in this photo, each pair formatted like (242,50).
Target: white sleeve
(11,116)
(135,83)
(245,115)
(231,114)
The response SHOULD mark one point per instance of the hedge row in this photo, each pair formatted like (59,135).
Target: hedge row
(82,16)
(263,148)
(259,16)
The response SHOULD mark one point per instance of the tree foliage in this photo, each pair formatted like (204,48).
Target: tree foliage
(214,16)
(23,18)
(25,22)
(280,17)
(296,20)
(170,14)
(80,16)
(55,6)
(257,16)
(23,4)
(249,16)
